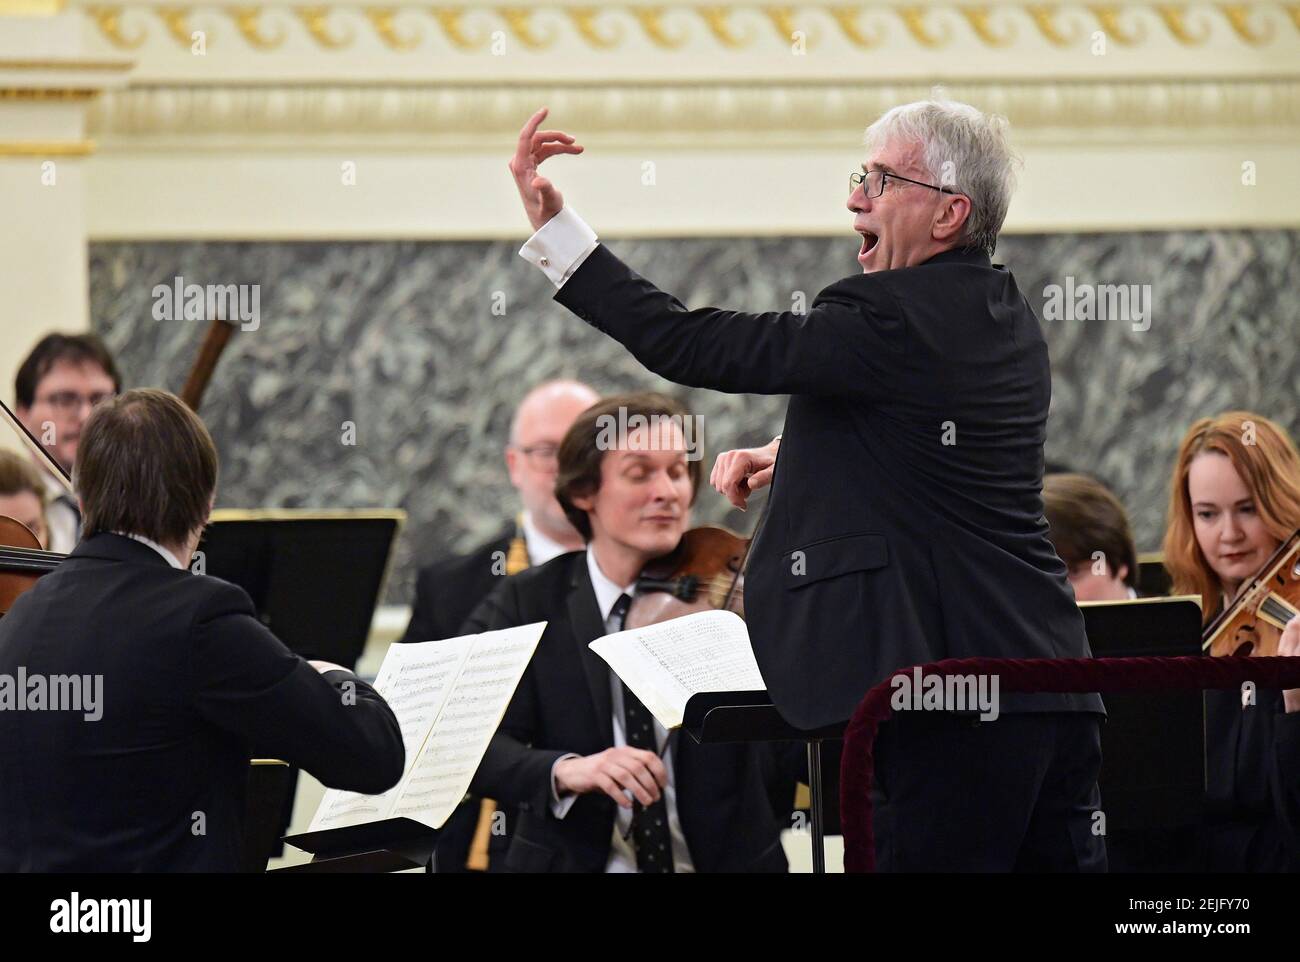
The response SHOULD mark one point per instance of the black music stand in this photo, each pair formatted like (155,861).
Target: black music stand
(315,577)
(270,785)
(1153,743)
(750,716)
(1153,580)
(388,845)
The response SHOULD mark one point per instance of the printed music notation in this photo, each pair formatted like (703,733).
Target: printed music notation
(666,663)
(449,697)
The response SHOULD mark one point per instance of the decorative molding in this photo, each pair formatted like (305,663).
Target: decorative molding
(423,117)
(46,148)
(67,63)
(30,8)
(670,28)
(49,93)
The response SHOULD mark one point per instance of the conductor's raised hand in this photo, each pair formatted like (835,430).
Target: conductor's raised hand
(738,474)
(541,200)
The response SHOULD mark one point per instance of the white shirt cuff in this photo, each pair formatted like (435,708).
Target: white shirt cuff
(560,806)
(560,246)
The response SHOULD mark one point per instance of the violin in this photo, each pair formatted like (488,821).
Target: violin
(704,572)
(1253,623)
(22,560)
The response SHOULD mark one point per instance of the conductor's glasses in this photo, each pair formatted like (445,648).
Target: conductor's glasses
(874,182)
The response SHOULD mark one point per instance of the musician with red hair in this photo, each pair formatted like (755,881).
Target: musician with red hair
(1234,499)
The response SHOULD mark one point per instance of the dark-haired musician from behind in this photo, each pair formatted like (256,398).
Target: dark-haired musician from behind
(1234,498)
(179,684)
(577,749)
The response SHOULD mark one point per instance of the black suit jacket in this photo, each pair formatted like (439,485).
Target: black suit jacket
(1252,760)
(193,686)
(563,704)
(905,522)
(447,591)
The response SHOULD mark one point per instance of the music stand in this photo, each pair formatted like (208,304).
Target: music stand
(388,845)
(315,577)
(1152,785)
(270,784)
(1153,580)
(713,717)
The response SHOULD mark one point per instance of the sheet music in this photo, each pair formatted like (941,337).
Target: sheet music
(665,664)
(449,697)
(444,766)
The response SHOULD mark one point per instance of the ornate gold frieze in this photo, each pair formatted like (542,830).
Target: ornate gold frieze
(932,25)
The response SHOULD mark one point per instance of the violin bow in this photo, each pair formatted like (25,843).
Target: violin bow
(30,439)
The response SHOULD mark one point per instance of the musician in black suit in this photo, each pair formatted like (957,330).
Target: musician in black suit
(170,682)
(447,590)
(905,522)
(477,834)
(600,785)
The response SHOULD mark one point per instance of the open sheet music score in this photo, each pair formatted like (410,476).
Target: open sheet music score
(449,697)
(667,663)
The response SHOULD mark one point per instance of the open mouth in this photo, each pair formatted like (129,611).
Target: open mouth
(869,242)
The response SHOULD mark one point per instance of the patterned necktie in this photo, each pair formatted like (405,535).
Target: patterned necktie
(650,834)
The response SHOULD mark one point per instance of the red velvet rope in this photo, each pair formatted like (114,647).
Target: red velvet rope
(857,763)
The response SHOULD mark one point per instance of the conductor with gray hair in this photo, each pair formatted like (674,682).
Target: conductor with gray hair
(905,519)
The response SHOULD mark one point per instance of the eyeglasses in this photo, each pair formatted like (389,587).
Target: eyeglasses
(542,457)
(873,182)
(71,401)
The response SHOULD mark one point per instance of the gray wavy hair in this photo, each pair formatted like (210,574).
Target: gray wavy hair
(963,148)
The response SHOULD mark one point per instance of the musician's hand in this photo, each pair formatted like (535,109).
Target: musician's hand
(1290,645)
(615,771)
(738,474)
(541,200)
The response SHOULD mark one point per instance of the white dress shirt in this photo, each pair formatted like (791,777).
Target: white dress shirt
(560,246)
(541,548)
(622,855)
(170,558)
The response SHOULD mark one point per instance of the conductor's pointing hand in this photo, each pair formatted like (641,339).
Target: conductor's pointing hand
(737,474)
(541,200)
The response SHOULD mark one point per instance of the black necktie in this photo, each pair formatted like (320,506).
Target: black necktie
(650,834)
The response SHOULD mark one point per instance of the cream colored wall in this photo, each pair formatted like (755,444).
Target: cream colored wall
(46,84)
(1129,115)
